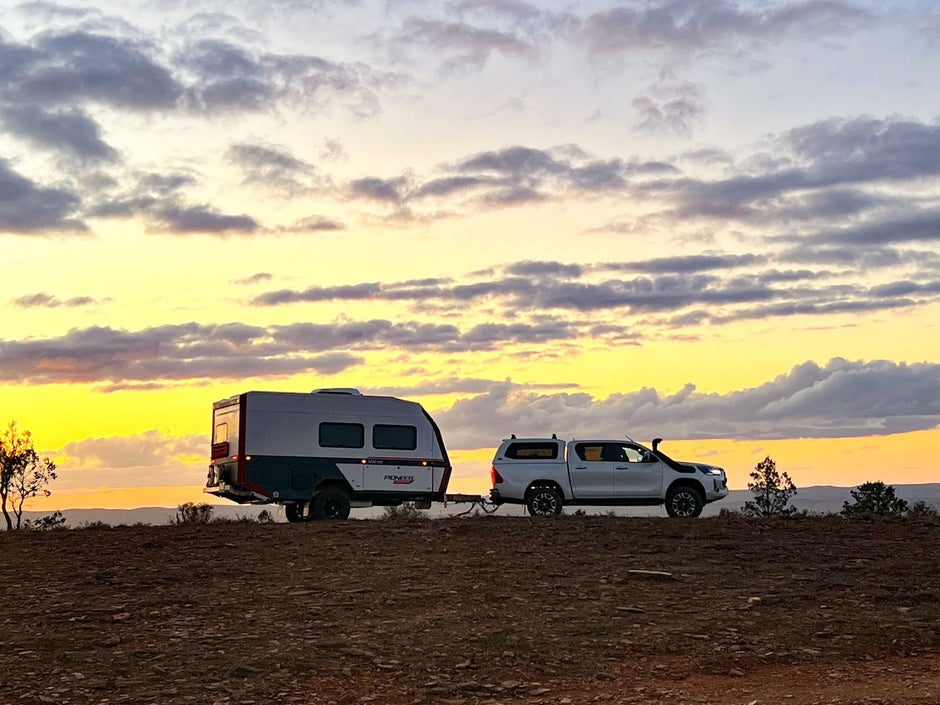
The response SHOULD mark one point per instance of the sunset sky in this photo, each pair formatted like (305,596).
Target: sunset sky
(716,222)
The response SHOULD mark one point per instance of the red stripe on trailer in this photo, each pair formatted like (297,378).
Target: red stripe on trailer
(241,458)
(435,462)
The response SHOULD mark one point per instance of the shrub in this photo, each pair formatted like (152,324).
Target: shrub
(192,513)
(405,510)
(874,500)
(921,509)
(50,521)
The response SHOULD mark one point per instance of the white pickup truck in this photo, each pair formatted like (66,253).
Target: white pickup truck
(546,473)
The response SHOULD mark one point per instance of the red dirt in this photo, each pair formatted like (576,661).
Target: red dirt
(475,610)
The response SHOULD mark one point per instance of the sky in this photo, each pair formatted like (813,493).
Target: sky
(710,221)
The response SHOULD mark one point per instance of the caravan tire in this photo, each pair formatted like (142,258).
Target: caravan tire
(331,503)
(295,512)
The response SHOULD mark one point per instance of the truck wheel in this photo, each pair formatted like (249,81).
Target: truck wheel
(543,501)
(331,503)
(294,512)
(684,502)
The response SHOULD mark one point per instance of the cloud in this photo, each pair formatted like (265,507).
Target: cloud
(62,68)
(140,460)
(674,113)
(841,399)
(44,300)
(29,209)
(274,168)
(311,224)
(201,219)
(458,385)
(918,227)
(232,351)
(229,77)
(462,43)
(696,25)
(507,177)
(718,288)
(158,200)
(828,167)
(256,278)
(148,449)
(72,133)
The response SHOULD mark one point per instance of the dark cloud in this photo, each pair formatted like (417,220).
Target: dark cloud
(174,352)
(919,227)
(274,168)
(668,285)
(44,300)
(685,264)
(840,399)
(827,170)
(459,385)
(512,176)
(27,208)
(235,350)
(392,190)
(68,67)
(350,292)
(462,43)
(532,268)
(201,219)
(72,132)
(693,25)
(312,223)
(231,77)
(256,278)
(676,112)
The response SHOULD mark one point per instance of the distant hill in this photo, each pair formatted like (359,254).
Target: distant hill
(822,500)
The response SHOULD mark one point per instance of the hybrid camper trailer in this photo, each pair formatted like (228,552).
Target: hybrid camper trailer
(321,453)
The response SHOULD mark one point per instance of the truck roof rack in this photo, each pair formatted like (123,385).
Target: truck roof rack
(348,391)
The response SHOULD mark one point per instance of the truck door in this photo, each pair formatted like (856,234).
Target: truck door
(638,473)
(591,469)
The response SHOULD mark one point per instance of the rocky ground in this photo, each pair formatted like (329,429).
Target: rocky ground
(496,609)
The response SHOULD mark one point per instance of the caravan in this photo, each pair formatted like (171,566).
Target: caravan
(321,453)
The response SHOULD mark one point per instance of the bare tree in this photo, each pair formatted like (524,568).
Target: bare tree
(23,474)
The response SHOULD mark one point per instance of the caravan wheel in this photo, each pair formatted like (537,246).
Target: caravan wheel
(295,512)
(331,503)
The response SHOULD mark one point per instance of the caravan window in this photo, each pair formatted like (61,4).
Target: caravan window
(390,437)
(221,433)
(341,435)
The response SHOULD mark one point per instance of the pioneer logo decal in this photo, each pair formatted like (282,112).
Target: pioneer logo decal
(401,479)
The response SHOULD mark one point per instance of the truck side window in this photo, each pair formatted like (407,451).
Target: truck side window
(389,437)
(590,452)
(532,451)
(341,435)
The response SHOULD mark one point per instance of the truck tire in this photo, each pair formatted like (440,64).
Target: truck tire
(684,501)
(330,503)
(543,501)
(295,512)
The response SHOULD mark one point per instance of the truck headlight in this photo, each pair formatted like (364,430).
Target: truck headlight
(710,470)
